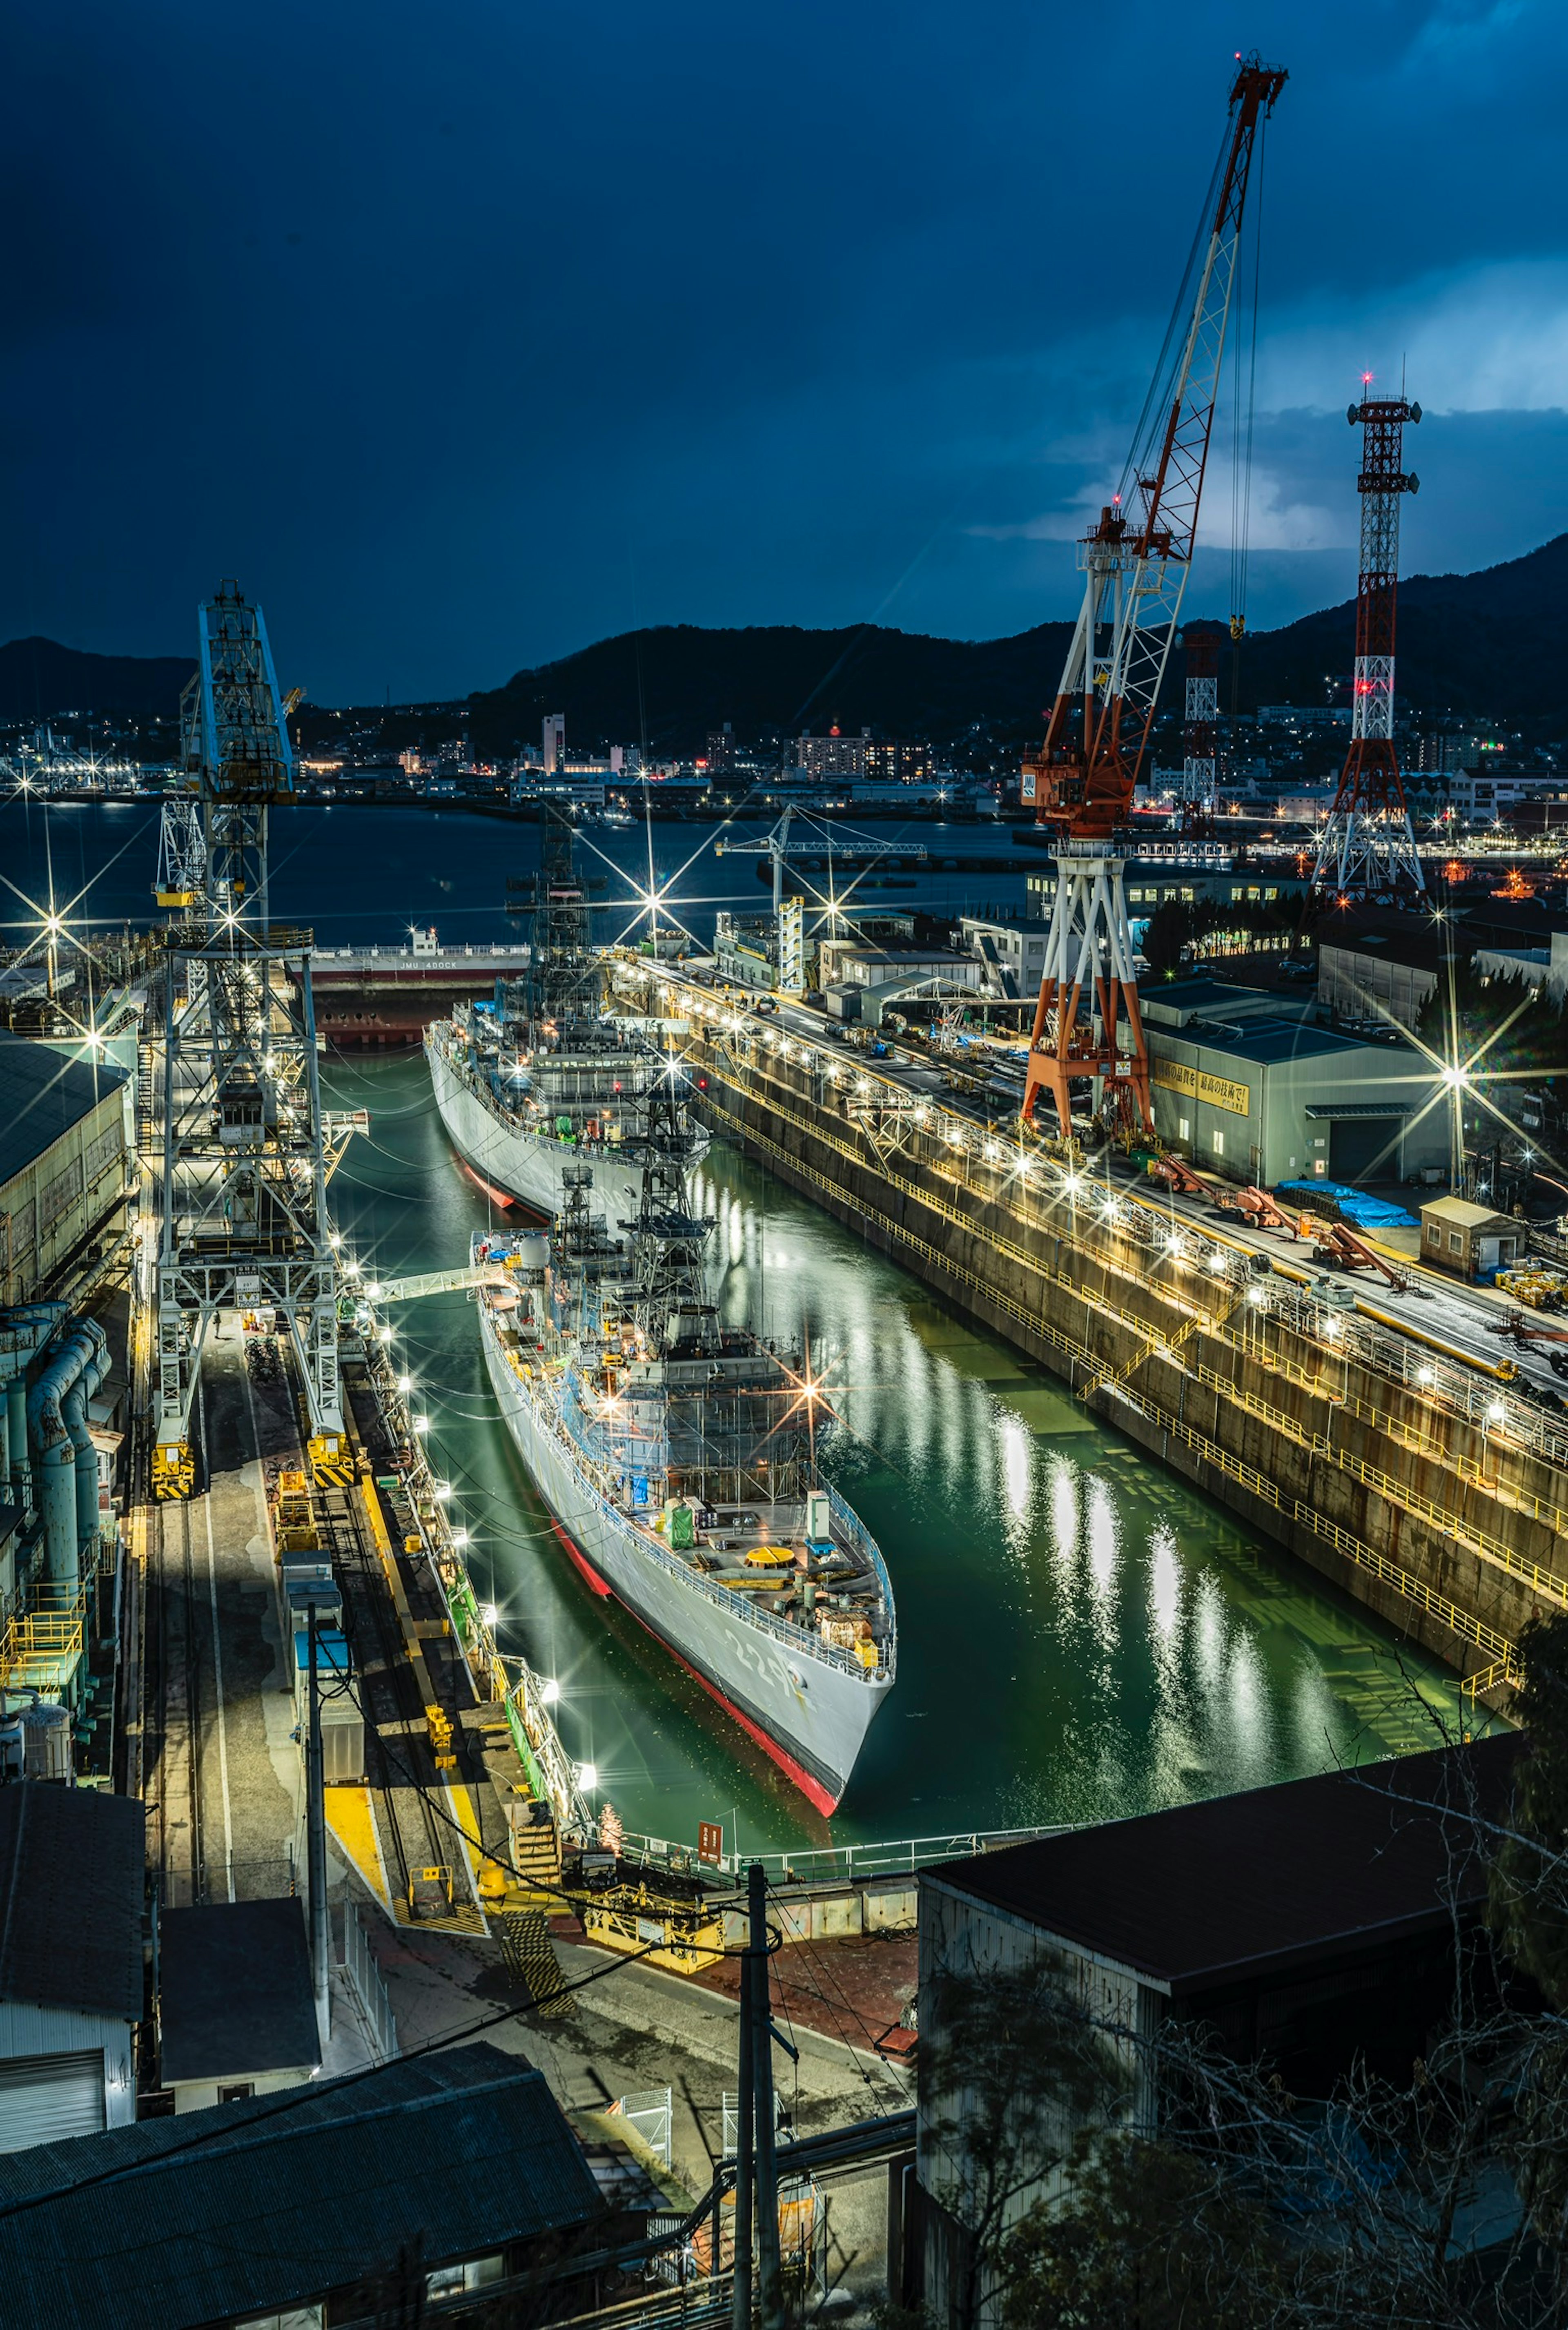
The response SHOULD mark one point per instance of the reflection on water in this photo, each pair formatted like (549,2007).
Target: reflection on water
(1079,1635)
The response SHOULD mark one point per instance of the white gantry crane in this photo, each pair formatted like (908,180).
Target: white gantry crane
(247,1149)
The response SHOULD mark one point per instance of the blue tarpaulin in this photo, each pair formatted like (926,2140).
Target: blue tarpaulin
(1357,1205)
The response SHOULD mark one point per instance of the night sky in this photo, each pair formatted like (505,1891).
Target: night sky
(465,335)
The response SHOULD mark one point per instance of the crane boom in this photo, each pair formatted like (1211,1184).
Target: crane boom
(1136,561)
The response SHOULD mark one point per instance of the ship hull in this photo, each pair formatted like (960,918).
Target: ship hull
(808,1716)
(516,1166)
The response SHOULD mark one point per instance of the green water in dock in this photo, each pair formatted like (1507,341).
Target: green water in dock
(1080,1635)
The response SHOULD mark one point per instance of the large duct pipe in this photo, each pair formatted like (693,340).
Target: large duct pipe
(74,1414)
(21,1334)
(54,1453)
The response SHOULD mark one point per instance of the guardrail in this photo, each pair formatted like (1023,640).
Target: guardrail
(522,1698)
(844,1863)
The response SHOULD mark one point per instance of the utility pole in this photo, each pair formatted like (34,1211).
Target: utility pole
(741,2316)
(316,1846)
(769,2280)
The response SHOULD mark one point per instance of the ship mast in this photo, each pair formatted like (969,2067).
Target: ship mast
(563,976)
(669,1242)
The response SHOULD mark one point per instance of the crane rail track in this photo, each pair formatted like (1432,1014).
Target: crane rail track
(174,1662)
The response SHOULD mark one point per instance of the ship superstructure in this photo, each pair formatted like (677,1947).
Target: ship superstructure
(677,1458)
(540,1078)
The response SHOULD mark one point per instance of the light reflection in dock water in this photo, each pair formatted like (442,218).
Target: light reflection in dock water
(1081,1636)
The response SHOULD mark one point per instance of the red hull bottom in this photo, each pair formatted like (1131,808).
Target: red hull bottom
(501,1196)
(812,1790)
(596,1584)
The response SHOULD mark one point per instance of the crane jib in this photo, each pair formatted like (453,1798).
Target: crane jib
(1135,566)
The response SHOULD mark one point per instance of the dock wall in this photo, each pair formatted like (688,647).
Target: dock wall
(1404,1496)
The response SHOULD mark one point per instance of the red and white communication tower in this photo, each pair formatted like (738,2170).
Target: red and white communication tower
(1368,847)
(1200,726)
(1134,562)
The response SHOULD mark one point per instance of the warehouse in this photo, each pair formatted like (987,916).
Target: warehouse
(1267,1099)
(65,1154)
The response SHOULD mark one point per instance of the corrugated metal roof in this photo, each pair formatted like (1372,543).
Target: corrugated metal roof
(72,1887)
(41,1095)
(251,2207)
(234,1992)
(1241,1885)
(1368,1109)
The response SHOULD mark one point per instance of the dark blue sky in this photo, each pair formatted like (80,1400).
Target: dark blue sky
(465,335)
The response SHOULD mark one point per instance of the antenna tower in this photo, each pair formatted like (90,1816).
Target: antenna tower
(1201,729)
(1368,847)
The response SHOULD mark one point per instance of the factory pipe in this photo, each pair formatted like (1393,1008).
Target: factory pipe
(74,1414)
(55,1453)
(23,1333)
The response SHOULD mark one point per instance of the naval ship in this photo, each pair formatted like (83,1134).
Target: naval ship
(538,1079)
(676,1457)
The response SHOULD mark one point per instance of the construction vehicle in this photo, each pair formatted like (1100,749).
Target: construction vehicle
(1338,1247)
(1521,1330)
(1178,1176)
(1536,1289)
(1259,1211)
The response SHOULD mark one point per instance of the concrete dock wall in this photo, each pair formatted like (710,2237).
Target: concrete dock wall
(1448,1532)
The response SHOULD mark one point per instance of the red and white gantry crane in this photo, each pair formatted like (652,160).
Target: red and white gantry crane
(1134,562)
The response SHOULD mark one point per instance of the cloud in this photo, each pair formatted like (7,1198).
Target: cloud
(1492,338)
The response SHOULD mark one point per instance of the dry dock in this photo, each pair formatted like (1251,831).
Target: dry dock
(1392,1458)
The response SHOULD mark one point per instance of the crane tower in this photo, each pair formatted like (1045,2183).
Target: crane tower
(247,1149)
(1135,562)
(1368,845)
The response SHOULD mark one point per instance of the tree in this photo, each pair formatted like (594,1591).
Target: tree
(1010,2067)
(1150,2238)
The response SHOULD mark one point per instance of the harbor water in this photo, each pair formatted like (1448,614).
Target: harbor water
(1081,1636)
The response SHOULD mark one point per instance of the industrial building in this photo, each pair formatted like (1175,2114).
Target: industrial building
(1262,1096)
(236,2014)
(65,1151)
(1386,972)
(361,2201)
(65,1189)
(1312,1926)
(71,1961)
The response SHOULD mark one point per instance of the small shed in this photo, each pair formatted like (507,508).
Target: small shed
(236,2011)
(72,1884)
(1468,1239)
